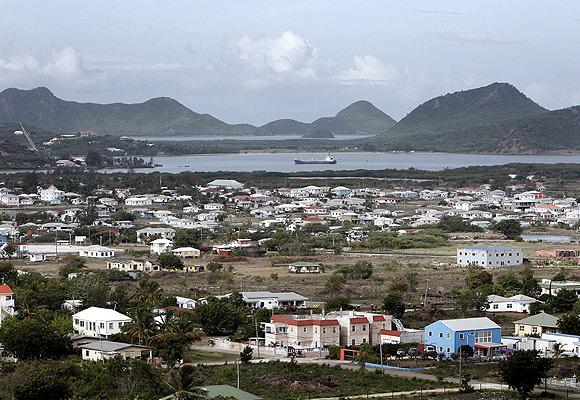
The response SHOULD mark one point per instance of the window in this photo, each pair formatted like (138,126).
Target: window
(102,325)
(110,325)
(82,323)
(86,353)
(430,333)
(509,305)
(334,329)
(534,329)
(364,327)
(483,337)
(76,321)
(520,328)
(353,328)
(448,336)
(440,334)
(495,306)
(323,330)
(448,350)
(305,329)
(461,336)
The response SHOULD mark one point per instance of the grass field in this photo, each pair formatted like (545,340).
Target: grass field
(276,380)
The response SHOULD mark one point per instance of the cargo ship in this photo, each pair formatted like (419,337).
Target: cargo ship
(327,160)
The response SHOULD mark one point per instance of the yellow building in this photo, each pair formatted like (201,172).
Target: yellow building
(535,325)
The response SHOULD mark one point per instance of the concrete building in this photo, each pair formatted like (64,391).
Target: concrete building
(490,256)
(99,322)
(133,265)
(536,325)
(100,350)
(96,251)
(519,303)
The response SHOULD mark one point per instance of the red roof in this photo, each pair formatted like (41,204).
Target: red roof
(378,317)
(5,289)
(359,320)
(389,332)
(303,322)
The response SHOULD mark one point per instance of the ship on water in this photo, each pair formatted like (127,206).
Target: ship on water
(327,160)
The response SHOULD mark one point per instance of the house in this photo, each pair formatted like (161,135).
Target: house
(552,288)
(304,268)
(343,328)
(304,332)
(6,302)
(159,246)
(186,252)
(133,265)
(536,325)
(341,191)
(519,303)
(226,392)
(135,201)
(490,256)
(272,300)
(72,305)
(213,207)
(99,322)
(9,200)
(146,233)
(447,336)
(50,194)
(99,350)
(225,184)
(96,251)
(185,302)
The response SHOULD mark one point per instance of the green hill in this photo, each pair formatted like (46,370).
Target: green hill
(466,109)
(163,116)
(359,118)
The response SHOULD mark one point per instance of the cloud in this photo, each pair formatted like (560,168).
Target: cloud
(473,38)
(369,69)
(64,65)
(287,57)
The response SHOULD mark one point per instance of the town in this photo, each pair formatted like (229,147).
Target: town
(291,283)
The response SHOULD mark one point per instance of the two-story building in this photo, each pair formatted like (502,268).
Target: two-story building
(536,325)
(447,336)
(99,322)
(490,256)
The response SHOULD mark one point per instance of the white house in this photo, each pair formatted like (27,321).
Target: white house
(133,265)
(99,350)
(50,194)
(185,302)
(165,233)
(96,251)
(6,302)
(225,184)
(213,207)
(519,303)
(9,200)
(138,201)
(159,246)
(490,256)
(99,322)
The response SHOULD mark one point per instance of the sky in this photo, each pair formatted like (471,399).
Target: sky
(256,61)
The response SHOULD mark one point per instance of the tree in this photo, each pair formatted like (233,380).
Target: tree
(170,261)
(335,283)
(246,355)
(510,228)
(33,338)
(148,292)
(43,382)
(143,328)
(564,301)
(177,332)
(394,305)
(523,370)
(476,277)
(560,276)
(338,302)
(475,300)
(94,159)
(530,286)
(220,316)
(182,383)
(569,323)
(74,264)
(509,281)
(457,224)
(411,278)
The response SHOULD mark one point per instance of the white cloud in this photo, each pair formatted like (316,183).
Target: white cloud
(287,57)
(369,69)
(64,65)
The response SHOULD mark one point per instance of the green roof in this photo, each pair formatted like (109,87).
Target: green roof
(304,264)
(214,391)
(540,319)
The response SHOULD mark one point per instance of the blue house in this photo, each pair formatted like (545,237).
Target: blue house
(448,335)
(3,240)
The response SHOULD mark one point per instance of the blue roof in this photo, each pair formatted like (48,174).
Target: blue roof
(490,248)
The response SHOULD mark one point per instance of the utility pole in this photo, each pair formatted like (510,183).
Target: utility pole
(381,351)
(238,371)
(257,337)
(460,357)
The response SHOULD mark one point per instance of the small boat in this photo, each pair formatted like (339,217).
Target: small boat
(327,160)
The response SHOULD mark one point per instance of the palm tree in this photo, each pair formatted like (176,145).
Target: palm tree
(148,292)
(176,334)
(143,327)
(182,383)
